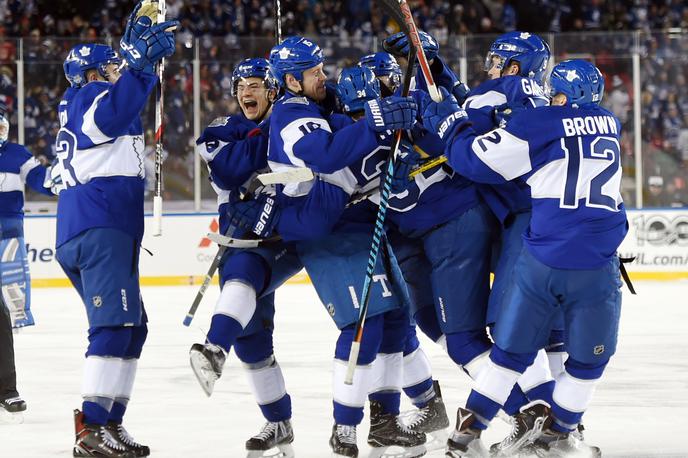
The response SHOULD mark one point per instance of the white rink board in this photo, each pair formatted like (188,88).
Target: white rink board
(639,409)
(658,238)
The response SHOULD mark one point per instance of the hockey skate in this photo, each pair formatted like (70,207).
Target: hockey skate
(273,441)
(122,436)
(465,441)
(555,444)
(343,441)
(11,409)
(387,431)
(95,440)
(431,420)
(526,427)
(207,361)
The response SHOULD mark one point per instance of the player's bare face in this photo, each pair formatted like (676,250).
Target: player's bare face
(493,66)
(558,100)
(253,98)
(112,72)
(313,83)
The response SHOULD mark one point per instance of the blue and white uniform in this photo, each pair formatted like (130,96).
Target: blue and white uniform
(18,168)
(570,160)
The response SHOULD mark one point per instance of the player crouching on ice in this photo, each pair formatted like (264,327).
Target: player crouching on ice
(569,156)
(100,220)
(235,149)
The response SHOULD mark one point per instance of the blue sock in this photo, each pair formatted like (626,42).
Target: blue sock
(345,415)
(277,411)
(544,392)
(117,412)
(515,401)
(390,401)
(421,393)
(94,413)
(483,407)
(224,331)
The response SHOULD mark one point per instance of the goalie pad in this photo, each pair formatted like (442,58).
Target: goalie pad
(16,282)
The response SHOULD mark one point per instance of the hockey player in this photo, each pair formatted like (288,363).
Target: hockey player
(334,249)
(100,220)
(235,149)
(386,70)
(569,156)
(18,168)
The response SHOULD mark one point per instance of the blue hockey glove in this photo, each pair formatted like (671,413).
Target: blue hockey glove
(144,44)
(502,114)
(258,215)
(398,45)
(445,118)
(407,159)
(391,113)
(460,92)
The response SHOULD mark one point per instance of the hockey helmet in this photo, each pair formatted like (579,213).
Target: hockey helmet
(529,50)
(85,57)
(579,80)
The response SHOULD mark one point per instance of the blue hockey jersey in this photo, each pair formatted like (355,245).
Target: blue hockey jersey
(18,168)
(100,148)
(570,160)
(519,92)
(235,149)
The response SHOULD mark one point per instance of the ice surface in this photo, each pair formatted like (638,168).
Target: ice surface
(640,408)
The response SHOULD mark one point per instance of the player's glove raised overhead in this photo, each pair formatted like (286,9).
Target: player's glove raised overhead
(144,44)
(258,215)
(391,113)
(398,45)
(407,159)
(445,118)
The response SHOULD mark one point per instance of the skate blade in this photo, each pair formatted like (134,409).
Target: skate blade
(394,451)
(11,418)
(280,451)
(204,373)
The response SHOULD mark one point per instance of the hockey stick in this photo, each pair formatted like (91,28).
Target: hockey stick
(395,8)
(291,175)
(159,104)
(278,22)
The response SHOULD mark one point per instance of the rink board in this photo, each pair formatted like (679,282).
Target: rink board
(181,256)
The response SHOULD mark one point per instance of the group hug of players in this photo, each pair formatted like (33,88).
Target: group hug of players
(529,191)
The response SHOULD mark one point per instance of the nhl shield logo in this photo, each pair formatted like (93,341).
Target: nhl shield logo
(97,301)
(330,309)
(598,350)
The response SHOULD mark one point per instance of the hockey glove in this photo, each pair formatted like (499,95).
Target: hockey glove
(391,113)
(53,178)
(445,118)
(502,114)
(258,215)
(398,45)
(460,92)
(144,44)
(407,159)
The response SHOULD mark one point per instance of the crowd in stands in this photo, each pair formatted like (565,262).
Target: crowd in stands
(227,31)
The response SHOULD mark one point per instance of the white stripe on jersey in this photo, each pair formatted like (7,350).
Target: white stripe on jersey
(292,134)
(89,127)
(30,164)
(488,99)
(123,157)
(207,156)
(11,182)
(509,155)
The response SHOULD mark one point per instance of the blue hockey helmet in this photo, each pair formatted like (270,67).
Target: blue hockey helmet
(579,80)
(85,57)
(253,68)
(294,55)
(355,86)
(529,50)
(383,64)
(4,128)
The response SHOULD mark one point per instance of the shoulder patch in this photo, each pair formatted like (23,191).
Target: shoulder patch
(221,121)
(299,100)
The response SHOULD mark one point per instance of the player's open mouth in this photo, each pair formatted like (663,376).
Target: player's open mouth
(250,103)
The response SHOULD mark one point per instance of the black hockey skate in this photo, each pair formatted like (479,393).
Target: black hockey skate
(273,435)
(526,427)
(465,441)
(122,436)
(431,420)
(95,440)
(555,444)
(207,362)
(387,431)
(11,409)
(343,440)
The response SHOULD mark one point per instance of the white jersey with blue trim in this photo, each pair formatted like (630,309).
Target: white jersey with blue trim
(570,160)
(18,167)
(100,148)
